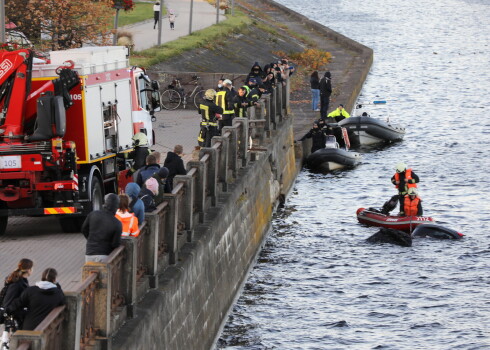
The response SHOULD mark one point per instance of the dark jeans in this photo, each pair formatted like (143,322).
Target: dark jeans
(324,102)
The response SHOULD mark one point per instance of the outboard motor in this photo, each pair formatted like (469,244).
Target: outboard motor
(390,205)
(436,231)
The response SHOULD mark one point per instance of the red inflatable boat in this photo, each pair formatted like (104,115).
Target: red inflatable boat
(403,223)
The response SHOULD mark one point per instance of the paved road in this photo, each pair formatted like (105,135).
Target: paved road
(204,15)
(42,240)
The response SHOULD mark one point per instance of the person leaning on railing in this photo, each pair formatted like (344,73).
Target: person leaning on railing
(102,230)
(39,300)
(15,284)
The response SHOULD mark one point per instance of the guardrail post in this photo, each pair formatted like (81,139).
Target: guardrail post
(188,206)
(273,108)
(211,174)
(171,227)
(71,340)
(266,113)
(200,187)
(151,258)
(285,97)
(242,139)
(130,267)
(102,297)
(232,149)
(279,106)
(222,174)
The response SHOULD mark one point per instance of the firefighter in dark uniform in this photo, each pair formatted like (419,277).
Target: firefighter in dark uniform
(241,103)
(139,154)
(256,93)
(210,113)
(224,99)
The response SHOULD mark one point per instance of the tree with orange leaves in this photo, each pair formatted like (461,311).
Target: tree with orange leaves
(63,23)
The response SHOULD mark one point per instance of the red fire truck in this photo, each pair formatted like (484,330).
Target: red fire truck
(65,126)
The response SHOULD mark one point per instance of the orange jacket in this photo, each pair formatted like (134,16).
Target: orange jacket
(408,176)
(129,224)
(411,207)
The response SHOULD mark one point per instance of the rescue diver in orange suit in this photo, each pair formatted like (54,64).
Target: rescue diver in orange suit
(412,204)
(404,179)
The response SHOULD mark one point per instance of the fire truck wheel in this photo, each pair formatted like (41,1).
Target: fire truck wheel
(3,219)
(97,196)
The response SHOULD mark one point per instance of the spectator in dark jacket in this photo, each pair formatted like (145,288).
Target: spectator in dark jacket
(39,300)
(174,164)
(161,177)
(136,206)
(102,230)
(255,73)
(17,282)
(325,92)
(148,170)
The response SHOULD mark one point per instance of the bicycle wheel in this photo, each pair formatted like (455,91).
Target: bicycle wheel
(199,98)
(170,99)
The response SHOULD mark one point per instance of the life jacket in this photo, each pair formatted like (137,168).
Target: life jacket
(221,101)
(129,224)
(410,207)
(408,176)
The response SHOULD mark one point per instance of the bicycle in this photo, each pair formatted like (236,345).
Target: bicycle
(175,95)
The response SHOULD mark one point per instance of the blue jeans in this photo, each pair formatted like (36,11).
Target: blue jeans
(315,101)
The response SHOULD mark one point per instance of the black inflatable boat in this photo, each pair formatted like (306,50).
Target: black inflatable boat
(332,157)
(364,130)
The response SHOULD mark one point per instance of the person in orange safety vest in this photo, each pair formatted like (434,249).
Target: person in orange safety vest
(412,204)
(129,220)
(403,180)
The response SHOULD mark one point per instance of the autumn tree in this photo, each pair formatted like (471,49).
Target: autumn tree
(63,23)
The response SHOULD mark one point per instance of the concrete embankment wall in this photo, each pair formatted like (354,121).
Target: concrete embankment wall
(193,297)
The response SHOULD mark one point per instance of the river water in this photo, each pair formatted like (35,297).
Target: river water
(317,284)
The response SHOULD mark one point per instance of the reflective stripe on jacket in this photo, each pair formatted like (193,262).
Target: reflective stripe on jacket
(221,100)
(129,224)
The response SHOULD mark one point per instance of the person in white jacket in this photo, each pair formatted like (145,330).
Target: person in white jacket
(156,13)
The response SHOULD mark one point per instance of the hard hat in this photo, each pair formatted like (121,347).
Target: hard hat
(412,191)
(209,94)
(227,82)
(140,139)
(401,167)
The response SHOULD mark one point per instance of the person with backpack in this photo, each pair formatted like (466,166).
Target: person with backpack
(39,300)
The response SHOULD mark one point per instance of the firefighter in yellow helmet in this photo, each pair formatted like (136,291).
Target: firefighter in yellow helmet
(140,152)
(210,113)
